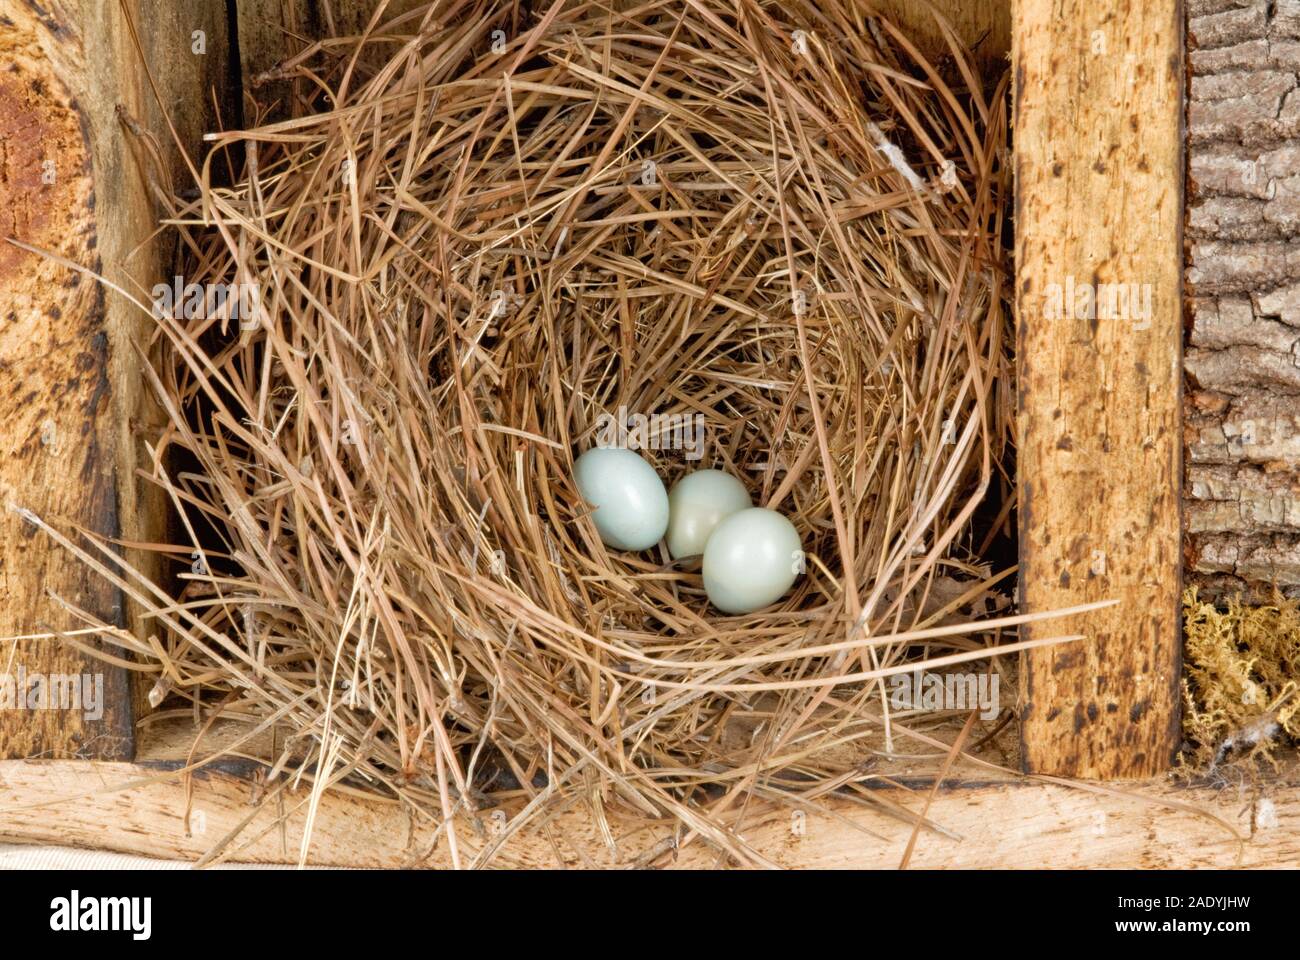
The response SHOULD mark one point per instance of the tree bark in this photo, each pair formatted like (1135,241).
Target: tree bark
(1243,282)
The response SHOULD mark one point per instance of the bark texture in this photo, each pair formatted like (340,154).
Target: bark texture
(1242,508)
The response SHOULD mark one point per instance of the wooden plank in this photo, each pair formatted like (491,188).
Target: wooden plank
(1020,825)
(1099,179)
(273,31)
(989,820)
(983,25)
(73,402)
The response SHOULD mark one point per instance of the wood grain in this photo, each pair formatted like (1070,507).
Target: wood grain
(74,408)
(984,25)
(1099,179)
(58,455)
(273,31)
(1014,824)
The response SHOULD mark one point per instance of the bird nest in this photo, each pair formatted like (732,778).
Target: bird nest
(767,238)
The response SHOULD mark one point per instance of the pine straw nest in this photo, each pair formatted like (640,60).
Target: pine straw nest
(775,217)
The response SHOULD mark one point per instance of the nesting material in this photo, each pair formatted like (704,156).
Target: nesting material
(1241,681)
(771,228)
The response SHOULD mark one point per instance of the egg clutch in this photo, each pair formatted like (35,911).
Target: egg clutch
(752,555)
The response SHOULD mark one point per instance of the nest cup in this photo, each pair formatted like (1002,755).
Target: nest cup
(755,237)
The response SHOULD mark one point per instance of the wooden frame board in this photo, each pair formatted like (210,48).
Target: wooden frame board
(997,822)
(1097,126)
(75,410)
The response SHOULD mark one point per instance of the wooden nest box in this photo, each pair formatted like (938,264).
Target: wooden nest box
(1101,150)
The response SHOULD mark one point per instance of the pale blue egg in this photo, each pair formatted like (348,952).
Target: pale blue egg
(696,504)
(631,503)
(751,560)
